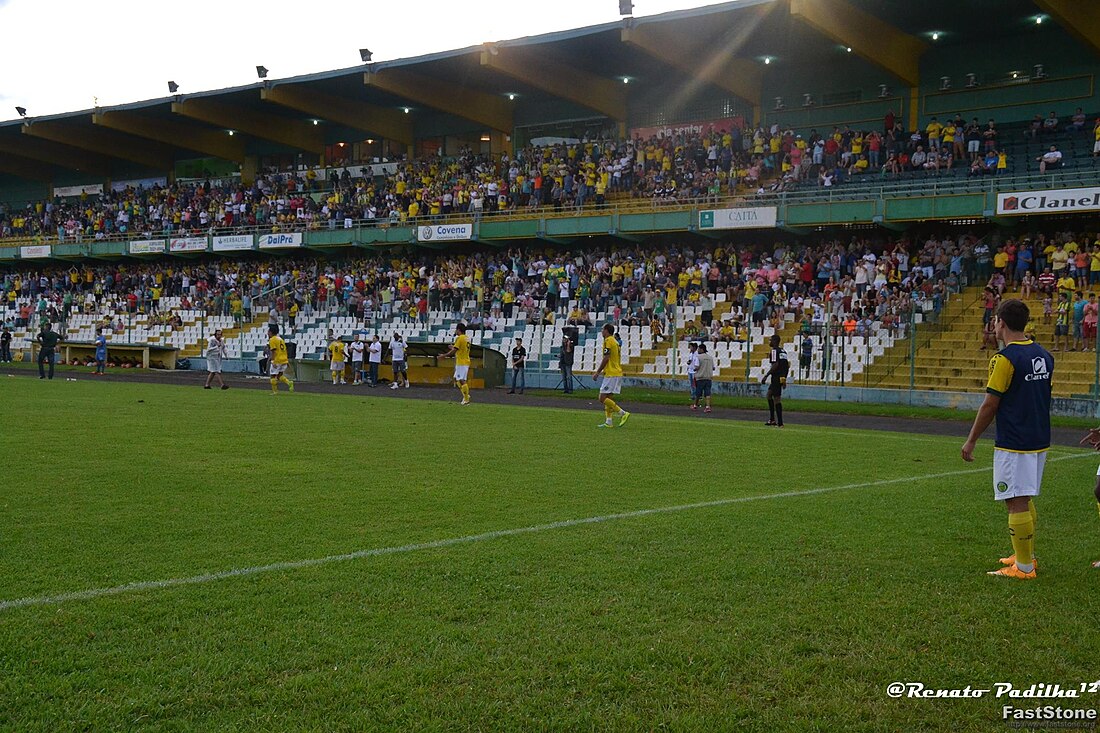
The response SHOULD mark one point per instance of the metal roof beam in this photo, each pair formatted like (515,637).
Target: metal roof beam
(875,40)
(561,80)
(59,155)
(105,142)
(25,168)
(173,132)
(1081,19)
(380,121)
(292,133)
(490,110)
(714,64)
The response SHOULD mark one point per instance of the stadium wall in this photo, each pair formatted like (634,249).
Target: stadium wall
(1066,407)
(535,379)
(1070,70)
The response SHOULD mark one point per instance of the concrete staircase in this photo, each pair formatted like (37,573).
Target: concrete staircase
(951,359)
(259,320)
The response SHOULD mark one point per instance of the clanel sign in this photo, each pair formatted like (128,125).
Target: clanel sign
(753,217)
(445,233)
(274,241)
(1054,201)
(232,242)
(147,247)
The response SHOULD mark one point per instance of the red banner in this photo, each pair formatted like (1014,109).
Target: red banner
(724,124)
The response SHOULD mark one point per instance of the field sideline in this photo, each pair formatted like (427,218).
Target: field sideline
(410,564)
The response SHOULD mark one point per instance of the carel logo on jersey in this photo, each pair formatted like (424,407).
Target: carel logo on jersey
(1038,370)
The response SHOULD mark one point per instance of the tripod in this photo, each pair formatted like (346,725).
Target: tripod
(574,381)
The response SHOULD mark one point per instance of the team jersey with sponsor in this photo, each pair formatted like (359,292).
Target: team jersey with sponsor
(1020,375)
(614,367)
(336,350)
(781,366)
(462,350)
(278,350)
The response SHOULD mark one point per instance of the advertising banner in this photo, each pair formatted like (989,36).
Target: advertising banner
(753,217)
(275,241)
(187,244)
(233,242)
(147,247)
(445,233)
(1053,201)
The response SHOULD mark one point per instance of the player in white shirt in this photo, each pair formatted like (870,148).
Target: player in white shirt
(397,357)
(357,348)
(375,358)
(692,363)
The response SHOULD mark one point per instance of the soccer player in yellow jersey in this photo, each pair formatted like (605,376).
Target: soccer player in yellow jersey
(460,350)
(336,361)
(612,369)
(277,359)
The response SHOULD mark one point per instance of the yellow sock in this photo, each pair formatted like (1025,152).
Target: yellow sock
(465,391)
(1098,506)
(610,406)
(1034,522)
(1022,529)
(274,384)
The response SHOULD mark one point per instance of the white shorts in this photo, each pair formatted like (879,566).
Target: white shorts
(611,385)
(336,366)
(462,373)
(276,369)
(1096,147)
(1017,474)
(973,146)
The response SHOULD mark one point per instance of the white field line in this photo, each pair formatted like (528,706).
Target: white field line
(92,593)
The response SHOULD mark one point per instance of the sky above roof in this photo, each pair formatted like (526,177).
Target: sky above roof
(117,51)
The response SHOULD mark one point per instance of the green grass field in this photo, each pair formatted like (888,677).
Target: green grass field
(770,609)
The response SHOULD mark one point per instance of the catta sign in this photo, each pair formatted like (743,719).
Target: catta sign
(749,217)
(1053,201)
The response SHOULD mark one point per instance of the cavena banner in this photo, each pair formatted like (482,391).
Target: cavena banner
(445,233)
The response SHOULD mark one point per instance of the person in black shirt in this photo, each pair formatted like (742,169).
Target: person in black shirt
(519,355)
(565,362)
(47,340)
(5,345)
(778,372)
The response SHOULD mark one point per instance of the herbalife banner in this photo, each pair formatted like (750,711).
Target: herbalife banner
(147,247)
(34,251)
(445,233)
(755,217)
(1055,201)
(275,241)
(233,242)
(187,244)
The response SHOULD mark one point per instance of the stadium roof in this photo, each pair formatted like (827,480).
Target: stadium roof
(508,84)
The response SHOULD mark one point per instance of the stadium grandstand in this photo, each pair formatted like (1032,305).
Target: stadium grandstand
(849,175)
